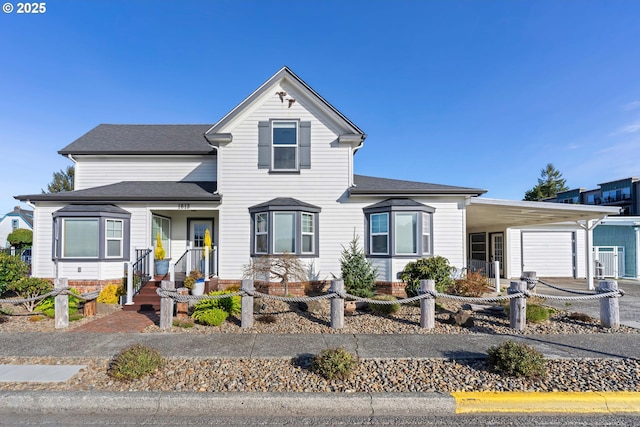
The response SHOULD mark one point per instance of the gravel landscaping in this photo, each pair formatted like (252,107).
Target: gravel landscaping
(383,375)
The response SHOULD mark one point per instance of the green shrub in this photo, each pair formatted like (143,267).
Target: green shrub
(135,362)
(232,305)
(48,305)
(536,313)
(436,268)
(30,287)
(12,269)
(211,317)
(334,363)
(358,274)
(473,284)
(386,308)
(516,359)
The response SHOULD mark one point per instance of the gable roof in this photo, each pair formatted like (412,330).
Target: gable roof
(134,191)
(25,214)
(290,77)
(141,139)
(369,185)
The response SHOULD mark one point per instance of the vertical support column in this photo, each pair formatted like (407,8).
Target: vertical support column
(152,264)
(247,304)
(589,249)
(609,307)
(61,304)
(427,305)
(166,305)
(129,284)
(215,261)
(517,306)
(337,305)
(172,272)
(206,263)
(496,274)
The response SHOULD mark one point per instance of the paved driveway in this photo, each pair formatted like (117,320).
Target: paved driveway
(629,304)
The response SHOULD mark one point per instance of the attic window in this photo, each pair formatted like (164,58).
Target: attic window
(284,146)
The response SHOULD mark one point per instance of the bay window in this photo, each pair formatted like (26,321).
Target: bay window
(399,228)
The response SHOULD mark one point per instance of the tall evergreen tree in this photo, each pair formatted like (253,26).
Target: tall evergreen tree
(62,181)
(549,184)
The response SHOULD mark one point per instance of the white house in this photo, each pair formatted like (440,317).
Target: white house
(11,221)
(274,175)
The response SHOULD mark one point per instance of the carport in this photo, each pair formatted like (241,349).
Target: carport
(485,215)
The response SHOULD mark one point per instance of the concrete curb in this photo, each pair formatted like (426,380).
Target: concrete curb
(547,402)
(229,404)
(321,404)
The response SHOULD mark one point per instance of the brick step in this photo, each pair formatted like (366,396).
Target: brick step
(146,300)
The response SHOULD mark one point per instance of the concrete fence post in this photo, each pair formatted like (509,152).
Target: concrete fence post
(517,306)
(247,304)
(61,304)
(337,305)
(609,307)
(166,305)
(427,305)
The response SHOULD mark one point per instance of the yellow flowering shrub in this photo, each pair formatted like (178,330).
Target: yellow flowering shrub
(111,294)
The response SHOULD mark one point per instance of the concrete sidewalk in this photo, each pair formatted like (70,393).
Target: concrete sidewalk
(388,346)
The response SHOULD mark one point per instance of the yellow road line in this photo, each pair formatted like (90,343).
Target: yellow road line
(587,402)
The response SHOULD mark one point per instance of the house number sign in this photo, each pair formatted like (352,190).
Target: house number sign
(184,206)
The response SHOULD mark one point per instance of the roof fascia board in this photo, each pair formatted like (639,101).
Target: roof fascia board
(545,206)
(409,193)
(37,198)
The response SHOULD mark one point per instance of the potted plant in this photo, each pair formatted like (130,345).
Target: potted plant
(162,264)
(194,282)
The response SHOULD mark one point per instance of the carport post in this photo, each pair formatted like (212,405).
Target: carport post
(496,274)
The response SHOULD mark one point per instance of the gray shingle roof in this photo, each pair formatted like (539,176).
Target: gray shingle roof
(135,191)
(384,186)
(142,139)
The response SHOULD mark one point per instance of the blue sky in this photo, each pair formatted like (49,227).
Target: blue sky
(472,93)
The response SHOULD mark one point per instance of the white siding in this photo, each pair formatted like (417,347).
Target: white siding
(41,264)
(93,171)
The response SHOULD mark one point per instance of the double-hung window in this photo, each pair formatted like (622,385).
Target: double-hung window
(114,238)
(399,228)
(284,225)
(379,234)
(285,146)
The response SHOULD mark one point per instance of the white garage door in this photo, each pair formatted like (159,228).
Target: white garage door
(548,253)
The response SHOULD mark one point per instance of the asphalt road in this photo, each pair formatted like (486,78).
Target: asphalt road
(209,418)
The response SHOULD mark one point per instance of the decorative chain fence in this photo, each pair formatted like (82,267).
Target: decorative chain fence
(517,294)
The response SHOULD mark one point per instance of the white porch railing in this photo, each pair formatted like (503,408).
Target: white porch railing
(203,259)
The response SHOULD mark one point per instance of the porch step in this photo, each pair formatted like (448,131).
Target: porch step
(147,299)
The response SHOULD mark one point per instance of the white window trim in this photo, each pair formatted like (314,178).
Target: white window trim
(261,233)
(296,146)
(371,233)
(107,239)
(307,233)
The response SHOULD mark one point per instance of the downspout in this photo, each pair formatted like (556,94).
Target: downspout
(70,157)
(351,164)
(637,229)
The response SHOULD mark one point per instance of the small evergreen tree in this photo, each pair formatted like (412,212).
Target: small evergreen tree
(358,274)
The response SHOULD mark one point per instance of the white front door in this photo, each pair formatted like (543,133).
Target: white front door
(497,250)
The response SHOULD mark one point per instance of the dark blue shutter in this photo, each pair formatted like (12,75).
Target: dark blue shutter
(305,145)
(264,145)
